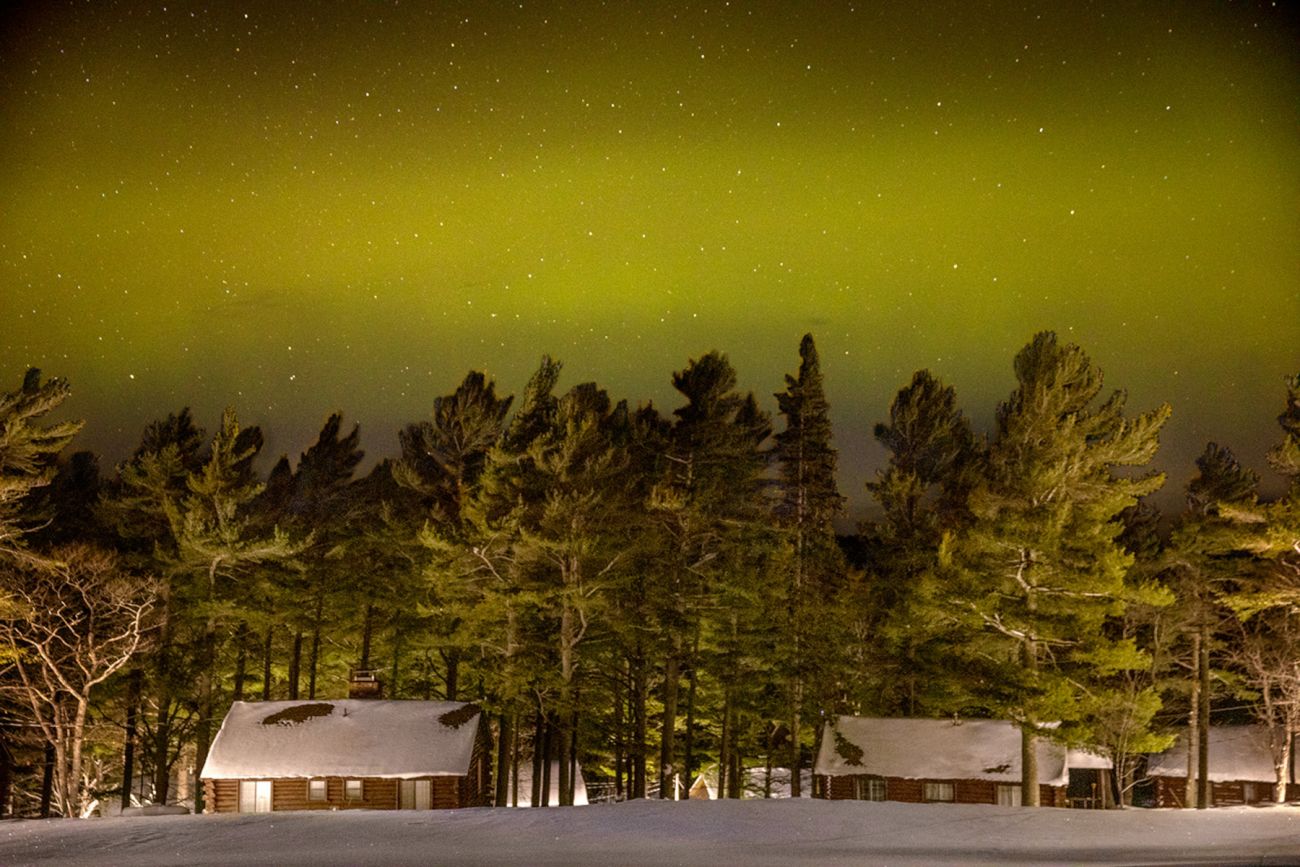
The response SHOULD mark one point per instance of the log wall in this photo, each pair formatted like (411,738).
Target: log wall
(845,788)
(1170,791)
(222,796)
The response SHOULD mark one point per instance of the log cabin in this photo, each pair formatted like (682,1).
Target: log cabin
(1241,769)
(348,754)
(945,760)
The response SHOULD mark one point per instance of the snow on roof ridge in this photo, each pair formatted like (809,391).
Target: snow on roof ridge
(934,748)
(1237,752)
(398,738)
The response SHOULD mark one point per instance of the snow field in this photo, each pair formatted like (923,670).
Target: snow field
(758,832)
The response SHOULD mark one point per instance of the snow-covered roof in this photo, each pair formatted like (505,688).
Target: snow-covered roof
(343,738)
(1236,753)
(936,749)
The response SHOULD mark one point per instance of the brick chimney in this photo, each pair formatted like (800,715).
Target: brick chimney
(364,683)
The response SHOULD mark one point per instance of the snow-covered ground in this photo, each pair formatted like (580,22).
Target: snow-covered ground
(775,832)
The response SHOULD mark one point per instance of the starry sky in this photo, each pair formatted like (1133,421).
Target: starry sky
(294,208)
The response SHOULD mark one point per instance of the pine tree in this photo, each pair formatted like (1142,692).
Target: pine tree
(27,451)
(809,501)
(705,504)
(314,500)
(136,507)
(442,462)
(214,545)
(443,458)
(570,543)
(1272,530)
(1200,567)
(1040,570)
(478,576)
(923,495)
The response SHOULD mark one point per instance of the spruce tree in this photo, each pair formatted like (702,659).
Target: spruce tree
(808,503)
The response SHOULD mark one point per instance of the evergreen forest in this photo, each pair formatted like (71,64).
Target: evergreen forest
(646,593)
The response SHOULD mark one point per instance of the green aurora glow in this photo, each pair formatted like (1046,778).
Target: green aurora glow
(296,208)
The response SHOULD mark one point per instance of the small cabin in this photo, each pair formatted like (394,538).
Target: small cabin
(348,754)
(943,761)
(1240,772)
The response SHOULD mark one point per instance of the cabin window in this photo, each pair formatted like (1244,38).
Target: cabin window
(1008,796)
(936,791)
(254,796)
(870,788)
(352,790)
(316,790)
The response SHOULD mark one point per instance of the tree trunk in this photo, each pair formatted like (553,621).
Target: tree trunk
(619,683)
(295,663)
(735,784)
(1193,725)
(514,759)
(76,801)
(667,731)
(47,781)
(162,748)
(640,726)
(241,661)
(1029,795)
(203,725)
(1279,784)
(453,662)
(1029,792)
(207,676)
(265,664)
(163,722)
(796,753)
(562,754)
(367,628)
(796,636)
(539,757)
(397,657)
(1203,722)
(505,737)
(128,746)
(547,730)
(724,744)
(688,758)
(313,657)
(818,735)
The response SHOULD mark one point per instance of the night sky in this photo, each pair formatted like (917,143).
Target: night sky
(294,208)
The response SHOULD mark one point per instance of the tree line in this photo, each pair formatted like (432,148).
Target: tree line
(643,594)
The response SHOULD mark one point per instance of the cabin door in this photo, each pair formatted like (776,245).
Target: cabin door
(254,796)
(416,794)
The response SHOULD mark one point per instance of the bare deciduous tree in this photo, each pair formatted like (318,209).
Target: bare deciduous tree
(1267,653)
(70,623)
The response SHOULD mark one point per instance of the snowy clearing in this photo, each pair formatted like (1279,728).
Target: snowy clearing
(773,832)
